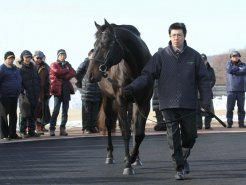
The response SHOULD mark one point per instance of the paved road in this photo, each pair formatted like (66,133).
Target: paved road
(217,159)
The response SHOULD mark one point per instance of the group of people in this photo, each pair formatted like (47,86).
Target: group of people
(32,83)
(183,77)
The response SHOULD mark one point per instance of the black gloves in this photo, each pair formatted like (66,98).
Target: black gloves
(78,84)
(205,106)
(234,70)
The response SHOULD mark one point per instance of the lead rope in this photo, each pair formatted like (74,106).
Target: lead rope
(182,117)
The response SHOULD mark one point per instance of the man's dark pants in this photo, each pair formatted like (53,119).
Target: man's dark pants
(90,112)
(181,133)
(232,98)
(8,108)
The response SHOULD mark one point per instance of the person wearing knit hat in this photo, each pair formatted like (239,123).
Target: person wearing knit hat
(61,73)
(61,51)
(9,54)
(10,88)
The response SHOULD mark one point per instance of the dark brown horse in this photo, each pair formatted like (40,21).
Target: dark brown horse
(119,57)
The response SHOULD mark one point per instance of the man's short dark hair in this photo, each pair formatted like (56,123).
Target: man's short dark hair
(90,52)
(177,26)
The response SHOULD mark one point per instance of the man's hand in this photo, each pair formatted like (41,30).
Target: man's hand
(205,106)
(234,70)
(128,92)
(78,84)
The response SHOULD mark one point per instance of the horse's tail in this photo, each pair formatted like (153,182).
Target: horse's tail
(101,121)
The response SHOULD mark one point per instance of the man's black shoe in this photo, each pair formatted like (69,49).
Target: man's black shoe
(229,126)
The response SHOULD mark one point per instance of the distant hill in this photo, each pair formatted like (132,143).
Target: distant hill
(218,62)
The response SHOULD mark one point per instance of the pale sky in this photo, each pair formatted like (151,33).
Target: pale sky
(213,26)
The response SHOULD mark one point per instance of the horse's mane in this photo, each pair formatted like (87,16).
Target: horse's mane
(131,28)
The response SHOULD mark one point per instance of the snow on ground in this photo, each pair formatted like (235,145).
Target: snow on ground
(75,103)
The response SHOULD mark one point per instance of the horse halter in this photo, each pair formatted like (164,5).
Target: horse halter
(103,67)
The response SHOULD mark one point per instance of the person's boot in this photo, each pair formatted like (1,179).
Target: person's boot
(241,124)
(39,128)
(32,133)
(44,129)
(52,133)
(160,127)
(63,132)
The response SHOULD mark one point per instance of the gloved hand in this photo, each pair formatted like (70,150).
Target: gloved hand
(78,84)
(205,106)
(128,92)
(234,70)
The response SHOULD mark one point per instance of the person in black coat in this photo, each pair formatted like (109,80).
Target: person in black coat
(160,126)
(208,118)
(28,99)
(91,97)
(181,74)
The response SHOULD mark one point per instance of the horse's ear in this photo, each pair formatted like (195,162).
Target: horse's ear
(106,22)
(97,25)
(108,25)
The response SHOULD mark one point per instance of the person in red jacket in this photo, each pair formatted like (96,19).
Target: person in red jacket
(61,72)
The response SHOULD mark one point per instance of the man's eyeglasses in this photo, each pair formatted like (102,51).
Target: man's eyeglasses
(39,58)
(177,35)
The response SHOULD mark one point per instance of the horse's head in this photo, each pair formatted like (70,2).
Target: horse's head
(108,51)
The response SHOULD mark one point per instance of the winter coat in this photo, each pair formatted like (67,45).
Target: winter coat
(235,76)
(180,76)
(90,91)
(211,75)
(10,81)
(60,76)
(43,72)
(30,88)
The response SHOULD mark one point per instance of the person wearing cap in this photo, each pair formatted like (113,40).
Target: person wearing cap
(235,86)
(10,88)
(28,99)
(43,112)
(61,73)
(181,73)
(212,79)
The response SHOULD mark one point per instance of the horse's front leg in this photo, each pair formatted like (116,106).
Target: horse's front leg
(126,134)
(110,148)
(139,122)
(108,121)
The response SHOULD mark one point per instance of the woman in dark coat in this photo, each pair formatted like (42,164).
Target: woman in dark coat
(28,99)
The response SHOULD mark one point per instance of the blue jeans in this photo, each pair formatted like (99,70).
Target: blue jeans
(55,113)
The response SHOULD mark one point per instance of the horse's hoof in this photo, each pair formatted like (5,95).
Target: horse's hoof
(138,162)
(109,161)
(128,171)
